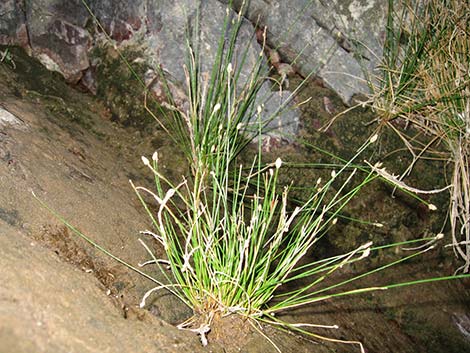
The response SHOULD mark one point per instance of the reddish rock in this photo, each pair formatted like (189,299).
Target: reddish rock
(63,47)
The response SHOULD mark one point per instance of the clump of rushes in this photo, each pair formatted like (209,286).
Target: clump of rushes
(232,238)
(236,240)
(425,82)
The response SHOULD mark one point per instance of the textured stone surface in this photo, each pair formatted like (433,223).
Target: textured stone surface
(12,23)
(57,36)
(161,28)
(327,36)
(315,36)
(121,19)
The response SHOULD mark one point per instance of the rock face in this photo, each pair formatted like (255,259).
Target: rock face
(57,36)
(165,42)
(12,23)
(57,33)
(121,19)
(331,37)
(57,294)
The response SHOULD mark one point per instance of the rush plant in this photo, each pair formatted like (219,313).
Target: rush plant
(231,236)
(424,81)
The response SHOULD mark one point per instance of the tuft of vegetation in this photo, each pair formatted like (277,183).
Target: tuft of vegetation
(7,57)
(233,240)
(231,237)
(424,82)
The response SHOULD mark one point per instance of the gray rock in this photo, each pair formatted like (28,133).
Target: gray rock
(58,38)
(325,37)
(8,119)
(166,25)
(285,122)
(121,19)
(12,23)
(316,36)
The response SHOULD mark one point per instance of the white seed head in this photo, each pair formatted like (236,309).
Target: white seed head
(378,225)
(374,138)
(271,172)
(333,174)
(439,236)
(216,108)
(155,156)
(318,181)
(334,221)
(365,253)
(278,163)
(259,109)
(432,207)
(145,160)
(229,68)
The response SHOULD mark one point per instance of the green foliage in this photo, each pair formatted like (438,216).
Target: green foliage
(232,239)
(7,57)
